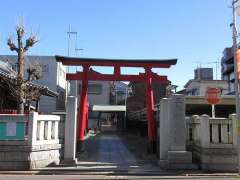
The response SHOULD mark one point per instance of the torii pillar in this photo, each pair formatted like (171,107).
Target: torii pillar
(83,110)
(150,111)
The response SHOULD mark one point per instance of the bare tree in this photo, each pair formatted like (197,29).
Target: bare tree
(21,50)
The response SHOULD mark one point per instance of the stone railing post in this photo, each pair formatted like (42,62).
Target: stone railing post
(195,121)
(204,131)
(188,126)
(55,132)
(70,130)
(32,128)
(233,117)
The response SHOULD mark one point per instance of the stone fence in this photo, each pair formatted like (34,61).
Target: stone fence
(28,141)
(213,142)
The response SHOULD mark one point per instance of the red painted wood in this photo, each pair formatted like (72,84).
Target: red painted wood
(150,106)
(117,70)
(83,110)
(115,77)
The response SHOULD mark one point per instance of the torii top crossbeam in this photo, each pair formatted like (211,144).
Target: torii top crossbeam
(117,64)
(151,63)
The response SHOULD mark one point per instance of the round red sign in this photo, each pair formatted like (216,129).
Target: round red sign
(213,95)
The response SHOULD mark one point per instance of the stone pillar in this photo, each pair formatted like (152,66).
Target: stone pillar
(70,131)
(173,154)
(164,129)
(32,128)
(177,123)
(234,129)
(204,131)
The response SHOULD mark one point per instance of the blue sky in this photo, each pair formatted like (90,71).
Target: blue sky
(190,30)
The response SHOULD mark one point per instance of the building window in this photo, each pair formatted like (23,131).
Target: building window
(195,92)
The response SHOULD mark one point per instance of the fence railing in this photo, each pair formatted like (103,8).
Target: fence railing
(141,115)
(210,132)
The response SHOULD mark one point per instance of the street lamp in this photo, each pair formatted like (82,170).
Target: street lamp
(235,48)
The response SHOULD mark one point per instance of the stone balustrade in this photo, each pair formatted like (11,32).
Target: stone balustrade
(28,141)
(213,132)
(43,129)
(214,142)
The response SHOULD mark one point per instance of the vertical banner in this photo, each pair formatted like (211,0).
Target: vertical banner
(238,63)
(237,8)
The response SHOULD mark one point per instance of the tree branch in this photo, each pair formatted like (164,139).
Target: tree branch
(30,42)
(11,45)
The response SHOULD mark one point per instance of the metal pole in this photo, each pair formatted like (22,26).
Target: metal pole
(235,47)
(125,113)
(213,111)
(69,36)
(115,93)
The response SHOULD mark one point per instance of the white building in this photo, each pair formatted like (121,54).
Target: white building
(53,76)
(98,92)
(196,87)
(203,79)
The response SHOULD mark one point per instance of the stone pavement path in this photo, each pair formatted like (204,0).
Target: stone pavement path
(122,151)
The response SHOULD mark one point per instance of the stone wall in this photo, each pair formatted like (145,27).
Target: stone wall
(20,156)
(34,146)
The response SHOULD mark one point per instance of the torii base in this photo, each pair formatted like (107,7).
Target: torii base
(152,147)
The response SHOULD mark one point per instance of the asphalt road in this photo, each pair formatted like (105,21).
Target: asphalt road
(81,177)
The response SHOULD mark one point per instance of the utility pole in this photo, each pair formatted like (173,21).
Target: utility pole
(235,48)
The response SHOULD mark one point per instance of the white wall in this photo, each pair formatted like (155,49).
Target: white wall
(94,99)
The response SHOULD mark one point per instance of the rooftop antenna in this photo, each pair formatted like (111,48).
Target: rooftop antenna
(199,65)
(78,50)
(69,33)
(74,33)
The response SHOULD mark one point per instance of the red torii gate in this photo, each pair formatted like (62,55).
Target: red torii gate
(148,77)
